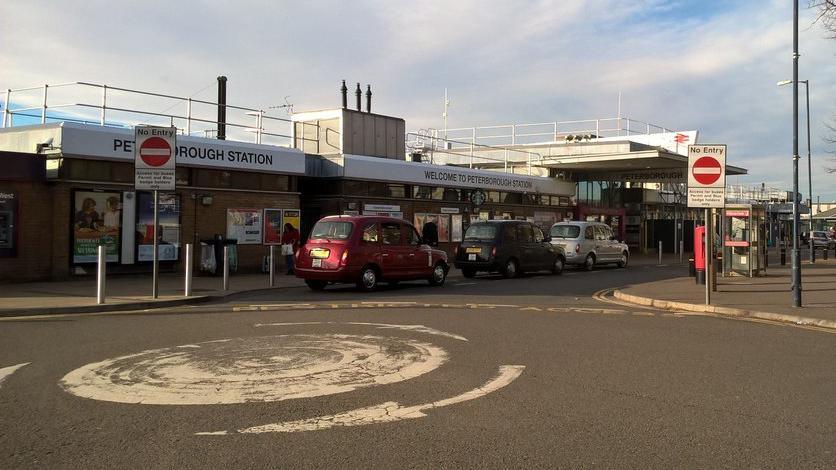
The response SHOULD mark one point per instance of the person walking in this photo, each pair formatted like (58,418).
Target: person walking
(290,243)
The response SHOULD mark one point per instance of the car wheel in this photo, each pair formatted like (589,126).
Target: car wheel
(468,273)
(622,262)
(511,269)
(316,285)
(368,279)
(439,275)
(589,263)
(557,267)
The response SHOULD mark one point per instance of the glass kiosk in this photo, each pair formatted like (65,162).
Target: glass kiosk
(744,240)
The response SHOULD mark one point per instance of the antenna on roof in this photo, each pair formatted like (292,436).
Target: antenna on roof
(287,105)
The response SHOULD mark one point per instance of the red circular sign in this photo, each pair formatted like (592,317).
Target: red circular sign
(707,170)
(155,151)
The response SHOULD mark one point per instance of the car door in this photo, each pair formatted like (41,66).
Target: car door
(542,249)
(419,255)
(393,252)
(525,241)
(604,241)
(587,241)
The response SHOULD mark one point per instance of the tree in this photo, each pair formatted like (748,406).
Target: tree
(827,18)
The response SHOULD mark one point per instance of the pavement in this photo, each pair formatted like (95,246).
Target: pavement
(768,297)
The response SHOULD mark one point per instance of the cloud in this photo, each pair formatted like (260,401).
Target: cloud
(707,65)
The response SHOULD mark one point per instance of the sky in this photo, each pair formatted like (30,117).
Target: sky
(706,65)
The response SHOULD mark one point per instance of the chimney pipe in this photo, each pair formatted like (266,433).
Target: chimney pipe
(222,107)
(344,91)
(359,94)
(368,98)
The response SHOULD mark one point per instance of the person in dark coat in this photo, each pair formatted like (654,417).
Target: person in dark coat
(291,237)
(430,233)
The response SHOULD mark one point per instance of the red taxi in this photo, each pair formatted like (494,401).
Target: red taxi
(366,250)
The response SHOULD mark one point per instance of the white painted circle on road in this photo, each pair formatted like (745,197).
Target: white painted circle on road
(257,369)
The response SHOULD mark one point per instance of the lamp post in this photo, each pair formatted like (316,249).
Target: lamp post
(809,164)
(796,260)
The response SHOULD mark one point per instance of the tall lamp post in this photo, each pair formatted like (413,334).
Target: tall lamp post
(796,260)
(809,164)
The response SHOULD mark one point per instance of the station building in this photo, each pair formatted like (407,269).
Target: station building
(67,185)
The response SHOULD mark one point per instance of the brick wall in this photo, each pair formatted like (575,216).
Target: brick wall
(34,221)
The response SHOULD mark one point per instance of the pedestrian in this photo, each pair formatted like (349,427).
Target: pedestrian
(429,232)
(290,243)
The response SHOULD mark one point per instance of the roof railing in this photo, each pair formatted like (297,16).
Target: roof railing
(109,110)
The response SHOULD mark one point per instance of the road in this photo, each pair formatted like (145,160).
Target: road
(483,373)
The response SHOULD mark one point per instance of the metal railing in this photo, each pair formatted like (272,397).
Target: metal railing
(542,132)
(106,105)
(427,143)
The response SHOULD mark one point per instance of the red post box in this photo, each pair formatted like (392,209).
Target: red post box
(699,248)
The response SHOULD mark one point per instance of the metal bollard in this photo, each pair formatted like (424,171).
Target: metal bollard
(783,255)
(681,250)
(660,252)
(101,273)
(825,253)
(187,291)
(226,267)
(272,268)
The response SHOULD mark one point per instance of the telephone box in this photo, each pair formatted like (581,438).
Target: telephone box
(699,248)
(744,235)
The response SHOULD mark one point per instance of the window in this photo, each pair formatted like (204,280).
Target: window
(328,229)
(513,198)
(411,235)
(524,233)
(370,233)
(509,233)
(483,231)
(589,234)
(538,234)
(565,231)
(602,232)
(391,233)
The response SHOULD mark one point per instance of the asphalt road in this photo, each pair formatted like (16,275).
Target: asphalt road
(530,372)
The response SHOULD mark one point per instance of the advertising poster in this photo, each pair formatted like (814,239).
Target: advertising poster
(97,219)
(456,228)
(168,248)
(8,213)
(273,226)
(293,217)
(244,225)
(419,220)
(444,228)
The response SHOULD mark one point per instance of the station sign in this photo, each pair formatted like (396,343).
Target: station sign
(154,158)
(707,176)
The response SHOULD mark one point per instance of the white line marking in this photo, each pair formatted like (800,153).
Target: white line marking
(7,371)
(385,412)
(255,369)
(382,326)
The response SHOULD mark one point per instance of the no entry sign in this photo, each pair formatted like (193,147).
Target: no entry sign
(154,162)
(706,176)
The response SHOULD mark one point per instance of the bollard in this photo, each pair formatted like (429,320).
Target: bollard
(825,253)
(783,255)
(660,252)
(100,275)
(226,267)
(187,291)
(681,250)
(272,268)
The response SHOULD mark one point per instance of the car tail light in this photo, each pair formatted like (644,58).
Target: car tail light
(344,258)
(493,252)
(456,250)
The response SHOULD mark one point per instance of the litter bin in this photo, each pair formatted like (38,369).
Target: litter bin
(692,268)
(212,254)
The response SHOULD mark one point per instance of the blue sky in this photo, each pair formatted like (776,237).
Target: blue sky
(707,65)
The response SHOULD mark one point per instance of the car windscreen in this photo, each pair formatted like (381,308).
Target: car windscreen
(565,231)
(331,230)
(484,232)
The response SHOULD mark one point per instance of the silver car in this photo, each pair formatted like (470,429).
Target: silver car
(589,243)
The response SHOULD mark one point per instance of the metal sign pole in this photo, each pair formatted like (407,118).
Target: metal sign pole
(226,267)
(100,275)
(272,268)
(188,288)
(155,289)
(708,232)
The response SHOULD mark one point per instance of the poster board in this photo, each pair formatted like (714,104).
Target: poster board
(244,225)
(168,248)
(293,217)
(273,226)
(97,220)
(456,228)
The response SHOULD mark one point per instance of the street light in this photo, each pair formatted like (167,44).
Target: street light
(809,164)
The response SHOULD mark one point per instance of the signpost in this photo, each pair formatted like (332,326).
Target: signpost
(707,189)
(154,168)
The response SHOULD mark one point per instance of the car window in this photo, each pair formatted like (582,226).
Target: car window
(509,235)
(390,233)
(484,232)
(589,233)
(565,231)
(601,233)
(538,234)
(410,235)
(524,233)
(370,234)
(327,229)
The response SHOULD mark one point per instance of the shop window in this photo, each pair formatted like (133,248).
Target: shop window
(513,198)
(450,194)
(429,192)
(397,190)
(492,196)
(122,173)
(355,188)
(181,176)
